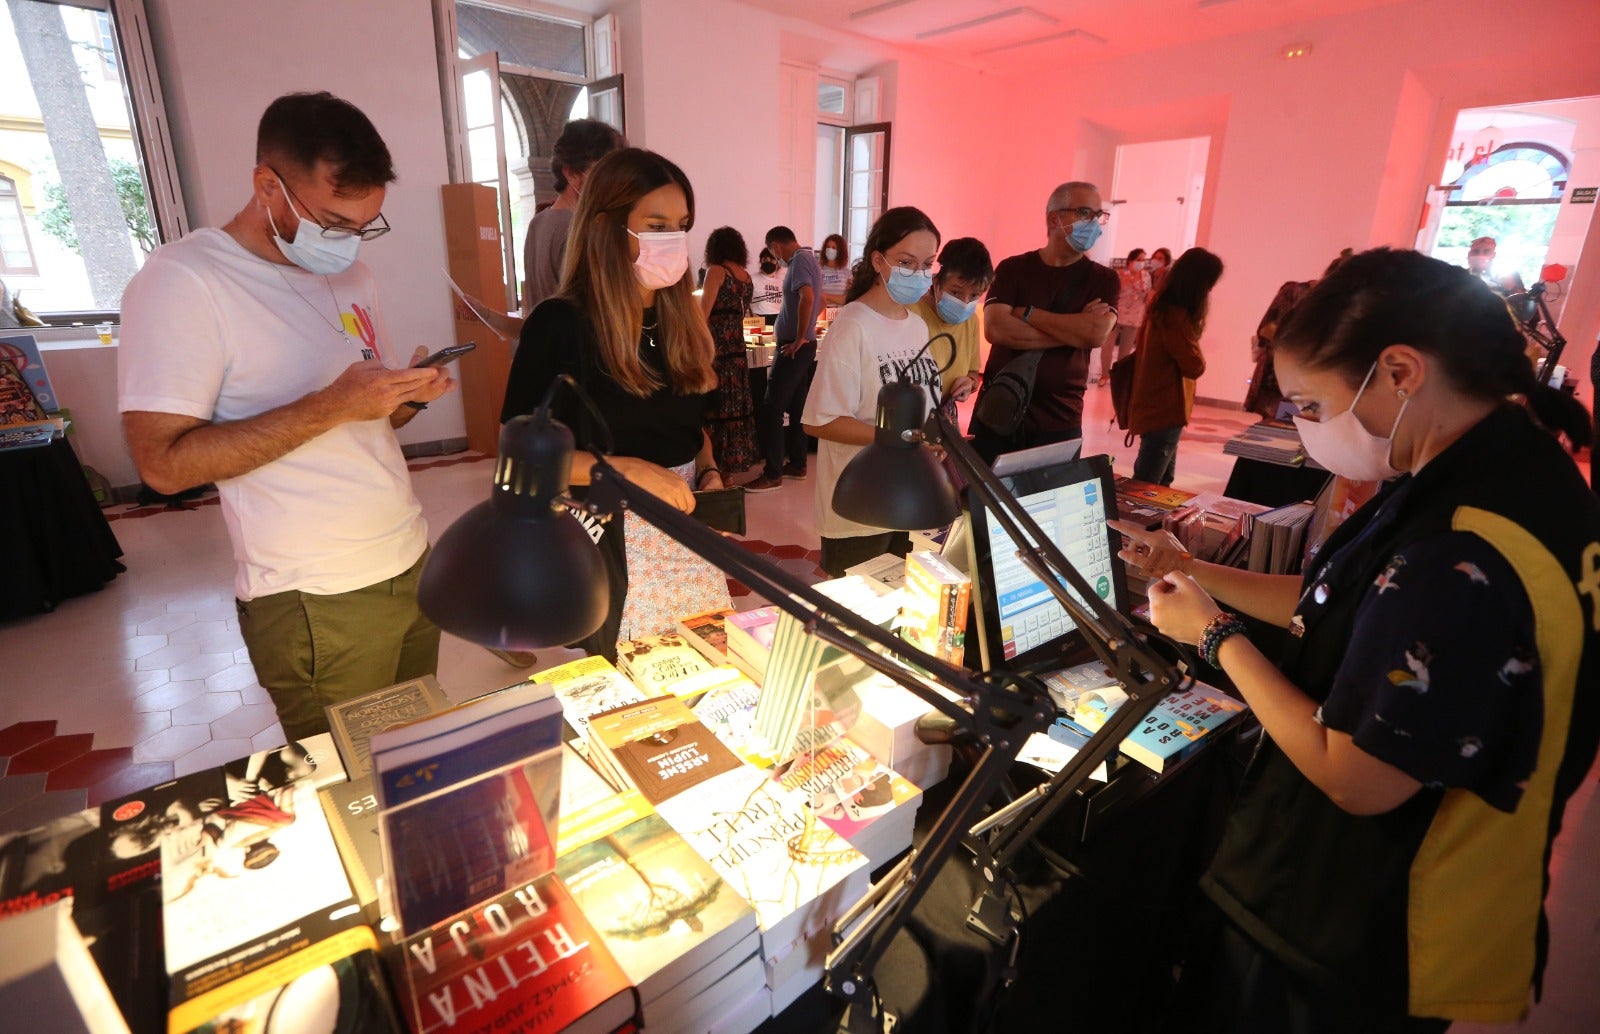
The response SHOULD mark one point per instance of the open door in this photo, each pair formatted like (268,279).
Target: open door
(866,181)
(479,119)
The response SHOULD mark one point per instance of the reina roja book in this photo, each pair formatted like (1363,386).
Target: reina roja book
(661,909)
(352,722)
(655,662)
(468,800)
(526,961)
(660,746)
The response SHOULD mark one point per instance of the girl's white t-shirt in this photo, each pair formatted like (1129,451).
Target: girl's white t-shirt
(211,331)
(861,352)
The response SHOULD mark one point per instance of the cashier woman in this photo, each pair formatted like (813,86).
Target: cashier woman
(1384,867)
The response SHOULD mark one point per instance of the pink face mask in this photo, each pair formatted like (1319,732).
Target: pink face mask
(1346,448)
(663,258)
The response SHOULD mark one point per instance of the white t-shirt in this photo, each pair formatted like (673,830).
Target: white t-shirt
(767,297)
(211,331)
(861,352)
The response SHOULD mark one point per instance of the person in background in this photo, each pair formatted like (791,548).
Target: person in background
(1263,396)
(626,327)
(965,271)
(783,448)
(254,356)
(1133,292)
(870,343)
(835,263)
(767,298)
(725,299)
(1057,299)
(1159,266)
(1480,260)
(1168,362)
(1386,860)
(582,142)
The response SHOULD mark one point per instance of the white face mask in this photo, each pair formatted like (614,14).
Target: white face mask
(830,253)
(1346,448)
(1136,265)
(310,250)
(663,258)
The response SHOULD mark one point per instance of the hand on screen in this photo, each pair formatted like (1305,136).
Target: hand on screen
(1150,554)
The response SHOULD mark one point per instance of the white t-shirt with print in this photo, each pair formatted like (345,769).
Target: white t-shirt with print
(211,331)
(861,352)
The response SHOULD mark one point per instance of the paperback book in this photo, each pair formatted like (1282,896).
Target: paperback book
(663,912)
(857,796)
(352,811)
(22,351)
(654,663)
(585,687)
(934,607)
(468,800)
(660,746)
(1174,727)
(708,633)
(750,635)
(729,711)
(772,849)
(352,722)
(528,960)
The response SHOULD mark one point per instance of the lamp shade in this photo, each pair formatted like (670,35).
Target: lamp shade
(518,571)
(895,482)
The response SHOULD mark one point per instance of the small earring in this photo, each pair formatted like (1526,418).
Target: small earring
(1400,393)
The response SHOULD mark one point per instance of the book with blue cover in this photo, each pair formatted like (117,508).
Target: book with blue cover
(469,799)
(1174,727)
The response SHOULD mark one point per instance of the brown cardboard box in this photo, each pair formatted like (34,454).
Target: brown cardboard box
(472,243)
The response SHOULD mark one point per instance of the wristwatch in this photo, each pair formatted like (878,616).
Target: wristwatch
(1026,313)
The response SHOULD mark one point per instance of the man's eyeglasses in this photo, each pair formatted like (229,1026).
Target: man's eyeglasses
(377,228)
(1099,215)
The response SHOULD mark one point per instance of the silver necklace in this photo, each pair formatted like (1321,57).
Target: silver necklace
(337,328)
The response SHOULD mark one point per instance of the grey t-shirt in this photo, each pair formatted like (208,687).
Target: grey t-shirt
(803,272)
(542,253)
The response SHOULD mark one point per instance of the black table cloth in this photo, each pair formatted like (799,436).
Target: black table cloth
(57,542)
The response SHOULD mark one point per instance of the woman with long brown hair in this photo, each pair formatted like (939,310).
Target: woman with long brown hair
(626,326)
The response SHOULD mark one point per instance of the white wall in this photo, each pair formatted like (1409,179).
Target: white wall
(1315,154)
(222,64)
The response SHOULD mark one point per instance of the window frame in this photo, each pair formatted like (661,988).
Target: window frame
(152,136)
(15,197)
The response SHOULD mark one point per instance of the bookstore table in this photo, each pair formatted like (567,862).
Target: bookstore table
(59,543)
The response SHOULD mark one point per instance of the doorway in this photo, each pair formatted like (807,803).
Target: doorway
(1155,196)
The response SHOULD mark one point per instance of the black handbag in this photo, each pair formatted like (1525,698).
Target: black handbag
(721,509)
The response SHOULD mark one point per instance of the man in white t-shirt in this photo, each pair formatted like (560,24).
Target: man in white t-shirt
(253,356)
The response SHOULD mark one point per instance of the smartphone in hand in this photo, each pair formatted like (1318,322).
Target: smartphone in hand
(444,355)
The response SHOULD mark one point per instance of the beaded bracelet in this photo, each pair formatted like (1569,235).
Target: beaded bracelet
(1218,631)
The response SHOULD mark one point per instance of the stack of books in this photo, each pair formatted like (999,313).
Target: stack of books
(29,413)
(1270,441)
(585,687)
(750,635)
(1277,538)
(656,662)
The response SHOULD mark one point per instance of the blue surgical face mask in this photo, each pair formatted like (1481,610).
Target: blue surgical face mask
(954,310)
(310,250)
(906,287)
(1083,234)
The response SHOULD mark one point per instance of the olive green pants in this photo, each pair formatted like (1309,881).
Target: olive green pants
(310,651)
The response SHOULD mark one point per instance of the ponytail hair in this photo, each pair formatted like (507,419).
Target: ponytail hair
(892,227)
(1387,296)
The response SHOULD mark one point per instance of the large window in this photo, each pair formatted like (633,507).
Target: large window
(1513,195)
(89,188)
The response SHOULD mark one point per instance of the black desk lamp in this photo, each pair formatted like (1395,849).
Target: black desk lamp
(484,585)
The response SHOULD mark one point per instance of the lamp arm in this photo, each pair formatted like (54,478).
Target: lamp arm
(1020,699)
(1146,675)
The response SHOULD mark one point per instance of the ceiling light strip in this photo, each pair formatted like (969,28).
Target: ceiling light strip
(1083,34)
(985,20)
(887,5)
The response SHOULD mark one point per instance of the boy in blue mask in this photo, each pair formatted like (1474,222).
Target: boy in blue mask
(949,307)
